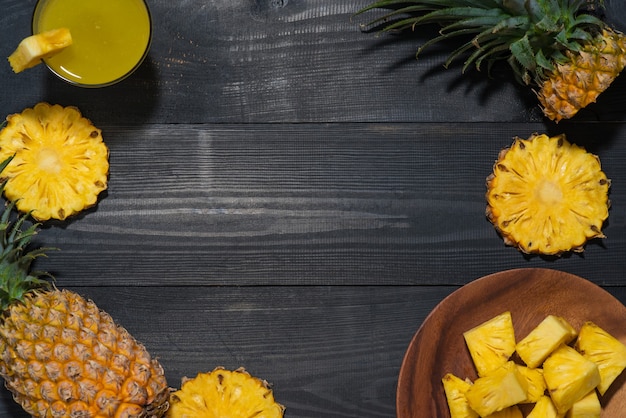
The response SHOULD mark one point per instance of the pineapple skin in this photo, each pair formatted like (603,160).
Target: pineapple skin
(224,393)
(577,83)
(61,356)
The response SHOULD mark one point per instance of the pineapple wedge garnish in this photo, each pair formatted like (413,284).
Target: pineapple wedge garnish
(455,389)
(544,339)
(544,408)
(491,343)
(500,389)
(33,49)
(587,407)
(536,384)
(569,377)
(606,351)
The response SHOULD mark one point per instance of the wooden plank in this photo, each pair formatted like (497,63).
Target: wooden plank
(312,204)
(328,351)
(296,61)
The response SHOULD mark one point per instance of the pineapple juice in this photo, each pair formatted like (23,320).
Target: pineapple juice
(110,38)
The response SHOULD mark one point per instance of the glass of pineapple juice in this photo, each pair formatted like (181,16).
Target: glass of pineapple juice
(110,38)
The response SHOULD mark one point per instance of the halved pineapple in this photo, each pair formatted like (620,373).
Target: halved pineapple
(587,407)
(544,408)
(606,351)
(569,377)
(224,393)
(547,196)
(543,339)
(455,389)
(491,343)
(498,390)
(33,49)
(60,162)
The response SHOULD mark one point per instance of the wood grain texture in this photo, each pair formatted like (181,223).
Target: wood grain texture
(276,204)
(330,351)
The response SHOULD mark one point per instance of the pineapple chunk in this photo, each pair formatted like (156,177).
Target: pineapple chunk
(510,412)
(587,407)
(455,389)
(544,408)
(536,384)
(544,339)
(33,49)
(569,377)
(500,389)
(607,352)
(491,343)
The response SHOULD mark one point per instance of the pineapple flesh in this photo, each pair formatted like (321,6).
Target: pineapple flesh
(606,351)
(491,343)
(544,408)
(455,389)
(569,377)
(559,47)
(33,49)
(547,196)
(535,383)
(544,339)
(500,389)
(60,162)
(224,393)
(60,355)
(588,407)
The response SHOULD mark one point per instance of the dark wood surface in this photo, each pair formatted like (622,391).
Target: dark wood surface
(292,195)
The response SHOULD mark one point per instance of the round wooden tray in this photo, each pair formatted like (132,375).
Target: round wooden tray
(438,346)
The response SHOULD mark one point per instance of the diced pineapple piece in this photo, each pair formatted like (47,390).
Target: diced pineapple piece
(569,377)
(510,412)
(544,339)
(33,49)
(606,351)
(455,389)
(587,407)
(536,384)
(544,408)
(500,389)
(491,343)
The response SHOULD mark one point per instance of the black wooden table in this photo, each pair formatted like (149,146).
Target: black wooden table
(292,195)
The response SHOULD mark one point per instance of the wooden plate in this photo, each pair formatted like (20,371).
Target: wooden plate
(438,346)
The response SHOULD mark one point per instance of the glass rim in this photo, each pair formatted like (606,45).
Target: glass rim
(140,61)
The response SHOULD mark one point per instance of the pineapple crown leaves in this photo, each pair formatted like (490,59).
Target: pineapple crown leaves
(16,277)
(531,35)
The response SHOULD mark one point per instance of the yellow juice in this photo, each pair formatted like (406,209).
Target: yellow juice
(110,38)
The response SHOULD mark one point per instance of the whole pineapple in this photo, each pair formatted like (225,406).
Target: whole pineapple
(559,47)
(60,355)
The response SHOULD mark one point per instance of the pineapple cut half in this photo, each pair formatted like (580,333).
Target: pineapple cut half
(33,49)
(491,343)
(224,393)
(544,339)
(547,196)
(60,161)
(606,351)
(569,377)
